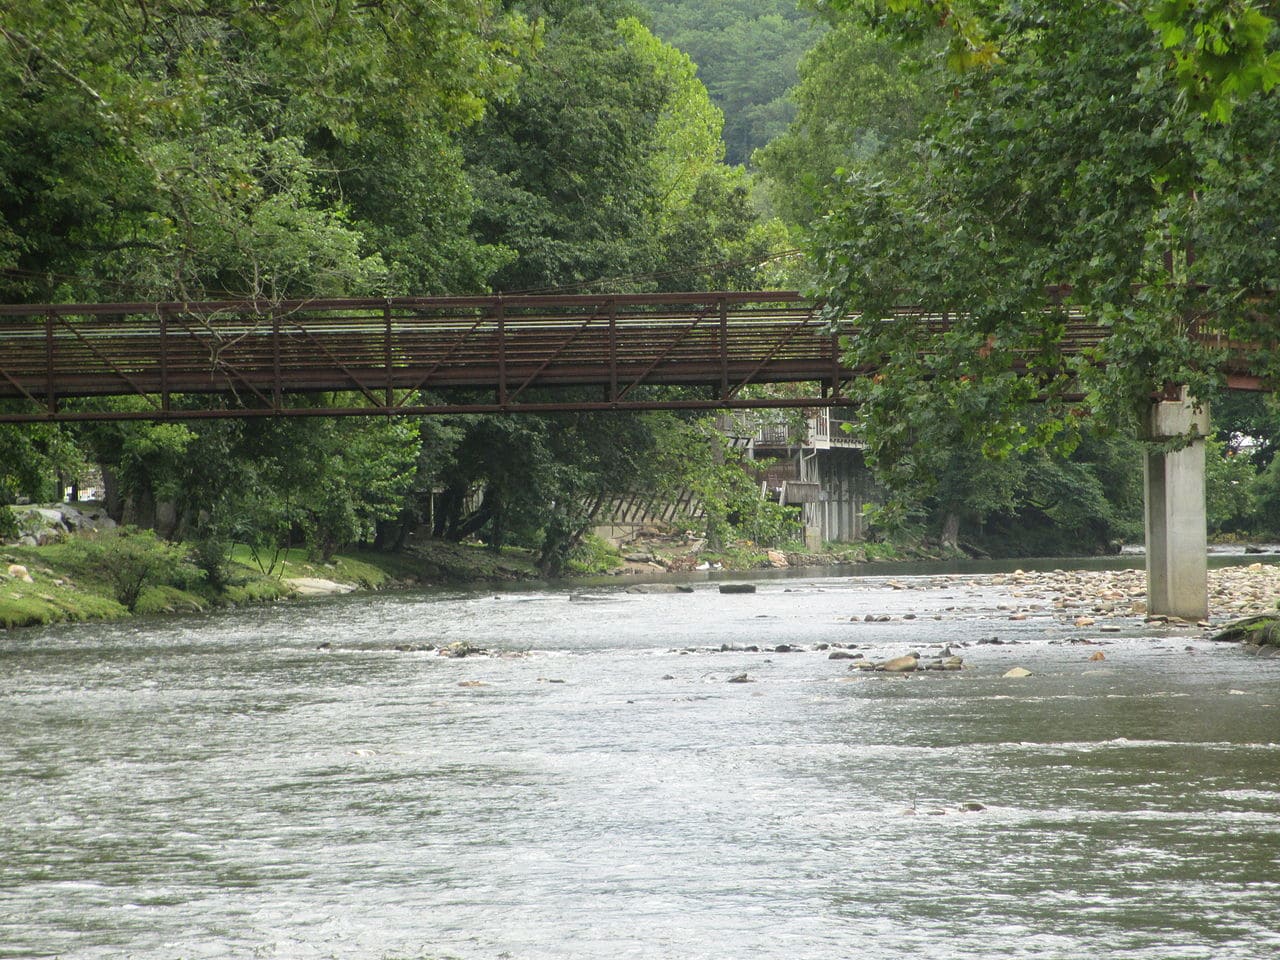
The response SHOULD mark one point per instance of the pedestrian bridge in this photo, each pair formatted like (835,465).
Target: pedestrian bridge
(432,355)
(509,354)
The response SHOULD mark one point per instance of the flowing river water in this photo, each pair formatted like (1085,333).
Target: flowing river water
(227,787)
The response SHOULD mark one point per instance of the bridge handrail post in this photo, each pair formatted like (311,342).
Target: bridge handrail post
(390,391)
(500,314)
(51,397)
(277,385)
(613,350)
(164,358)
(724,348)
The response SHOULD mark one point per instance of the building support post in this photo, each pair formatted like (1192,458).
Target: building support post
(1176,521)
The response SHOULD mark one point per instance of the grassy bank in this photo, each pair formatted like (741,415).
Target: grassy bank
(80,578)
(73,580)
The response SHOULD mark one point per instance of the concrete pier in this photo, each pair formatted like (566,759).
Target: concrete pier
(1176,524)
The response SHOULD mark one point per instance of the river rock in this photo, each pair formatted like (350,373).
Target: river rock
(737,588)
(843,655)
(459,649)
(899,664)
(317,586)
(739,678)
(659,588)
(19,572)
(1018,673)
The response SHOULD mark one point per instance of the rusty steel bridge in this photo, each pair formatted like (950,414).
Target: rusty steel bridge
(433,355)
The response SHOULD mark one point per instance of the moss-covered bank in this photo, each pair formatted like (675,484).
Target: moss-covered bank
(73,581)
(79,578)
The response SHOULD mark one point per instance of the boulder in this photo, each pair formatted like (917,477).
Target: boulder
(905,664)
(737,588)
(458,650)
(1018,673)
(19,572)
(317,586)
(1262,630)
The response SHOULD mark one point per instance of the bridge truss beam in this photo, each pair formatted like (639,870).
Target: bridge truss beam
(415,356)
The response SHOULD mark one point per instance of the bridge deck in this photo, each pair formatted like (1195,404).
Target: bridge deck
(612,347)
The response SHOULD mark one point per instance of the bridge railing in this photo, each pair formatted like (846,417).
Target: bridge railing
(388,351)
(443,354)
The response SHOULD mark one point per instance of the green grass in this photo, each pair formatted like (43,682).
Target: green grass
(364,568)
(70,584)
(28,604)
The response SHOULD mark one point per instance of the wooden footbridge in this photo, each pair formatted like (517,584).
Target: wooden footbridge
(429,355)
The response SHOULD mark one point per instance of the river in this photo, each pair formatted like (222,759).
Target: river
(227,787)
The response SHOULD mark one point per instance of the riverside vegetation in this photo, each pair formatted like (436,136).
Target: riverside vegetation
(119,571)
(277,150)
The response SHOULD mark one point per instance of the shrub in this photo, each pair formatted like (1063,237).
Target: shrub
(211,555)
(8,524)
(131,560)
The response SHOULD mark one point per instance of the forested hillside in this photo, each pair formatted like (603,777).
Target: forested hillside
(746,52)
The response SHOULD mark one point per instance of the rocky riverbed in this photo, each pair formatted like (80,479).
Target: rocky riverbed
(1091,597)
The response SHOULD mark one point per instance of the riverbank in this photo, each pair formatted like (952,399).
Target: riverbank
(69,570)
(1105,599)
(69,580)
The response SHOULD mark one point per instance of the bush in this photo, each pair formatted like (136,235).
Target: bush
(211,555)
(593,555)
(8,524)
(131,560)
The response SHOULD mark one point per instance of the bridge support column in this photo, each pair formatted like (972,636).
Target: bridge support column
(1176,525)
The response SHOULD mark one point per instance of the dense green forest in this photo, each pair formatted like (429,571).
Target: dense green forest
(180,150)
(747,52)
(1020,163)
(964,153)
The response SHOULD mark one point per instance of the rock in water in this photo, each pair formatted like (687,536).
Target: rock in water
(1018,672)
(740,678)
(737,588)
(900,664)
(1262,630)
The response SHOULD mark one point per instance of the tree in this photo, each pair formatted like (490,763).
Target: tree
(746,52)
(166,150)
(859,104)
(1064,154)
(565,171)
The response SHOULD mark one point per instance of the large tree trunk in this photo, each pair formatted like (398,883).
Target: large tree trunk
(951,530)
